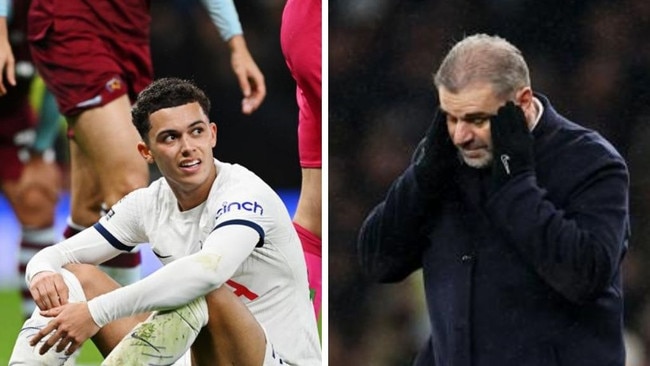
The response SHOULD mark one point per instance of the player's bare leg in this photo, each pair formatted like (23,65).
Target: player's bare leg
(33,199)
(232,337)
(309,209)
(108,138)
(229,335)
(308,220)
(85,191)
(108,166)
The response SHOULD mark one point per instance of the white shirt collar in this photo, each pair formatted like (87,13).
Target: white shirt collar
(540,111)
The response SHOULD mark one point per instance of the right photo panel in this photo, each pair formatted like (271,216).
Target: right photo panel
(488,183)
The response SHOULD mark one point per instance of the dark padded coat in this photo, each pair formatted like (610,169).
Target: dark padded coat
(527,275)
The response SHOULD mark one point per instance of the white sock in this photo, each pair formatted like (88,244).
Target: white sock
(162,339)
(24,354)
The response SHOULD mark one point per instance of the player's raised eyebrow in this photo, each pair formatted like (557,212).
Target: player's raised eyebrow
(198,122)
(174,131)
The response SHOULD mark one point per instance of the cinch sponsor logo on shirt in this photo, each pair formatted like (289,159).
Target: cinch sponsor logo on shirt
(246,206)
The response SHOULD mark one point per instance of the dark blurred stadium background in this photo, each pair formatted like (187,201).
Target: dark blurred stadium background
(590,57)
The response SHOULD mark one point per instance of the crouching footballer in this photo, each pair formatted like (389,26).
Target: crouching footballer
(233,285)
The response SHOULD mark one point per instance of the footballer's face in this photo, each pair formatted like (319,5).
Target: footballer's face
(468,121)
(180,143)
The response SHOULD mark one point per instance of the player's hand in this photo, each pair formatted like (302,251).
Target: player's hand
(436,156)
(48,290)
(72,325)
(7,61)
(512,145)
(249,76)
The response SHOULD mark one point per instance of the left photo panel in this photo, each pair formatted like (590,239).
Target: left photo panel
(161,186)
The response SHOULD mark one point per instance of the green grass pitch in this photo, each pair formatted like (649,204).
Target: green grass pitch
(12,320)
(11,317)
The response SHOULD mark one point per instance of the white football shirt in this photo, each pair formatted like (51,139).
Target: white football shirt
(267,271)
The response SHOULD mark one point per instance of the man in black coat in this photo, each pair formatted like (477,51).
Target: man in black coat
(518,218)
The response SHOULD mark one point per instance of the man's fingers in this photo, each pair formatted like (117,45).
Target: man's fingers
(72,348)
(50,342)
(62,291)
(244,83)
(253,102)
(67,344)
(63,344)
(51,313)
(50,293)
(11,73)
(250,104)
(42,333)
(42,299)
(50,297)
(10,79)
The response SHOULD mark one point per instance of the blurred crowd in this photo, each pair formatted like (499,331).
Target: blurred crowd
(590,57)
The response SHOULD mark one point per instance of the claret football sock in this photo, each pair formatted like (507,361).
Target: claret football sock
(312,249)
(125,268)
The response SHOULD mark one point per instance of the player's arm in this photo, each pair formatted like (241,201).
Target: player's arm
(394,235)
(42,274)
(190,277)
(576,248)
(251,80)
(391,239)
(7,61)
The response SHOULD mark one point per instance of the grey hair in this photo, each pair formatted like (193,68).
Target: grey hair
(483,58)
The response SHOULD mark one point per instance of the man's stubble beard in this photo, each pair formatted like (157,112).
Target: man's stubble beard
(479,163)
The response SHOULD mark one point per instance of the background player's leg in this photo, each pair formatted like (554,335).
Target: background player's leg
(104,147)
(307,221)
(309,210)
(85,192)
(34,204)
(108,138)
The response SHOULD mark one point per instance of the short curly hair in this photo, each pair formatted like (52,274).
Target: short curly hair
(165,93)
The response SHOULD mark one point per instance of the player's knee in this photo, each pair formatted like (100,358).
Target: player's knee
(39,197)
(124,185)
(35,206)
(220,298)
